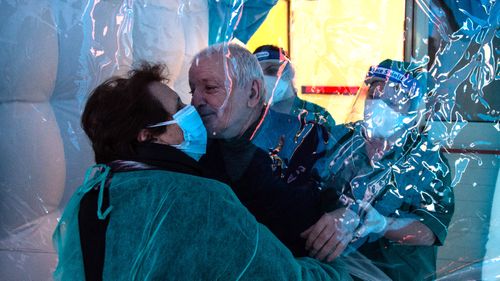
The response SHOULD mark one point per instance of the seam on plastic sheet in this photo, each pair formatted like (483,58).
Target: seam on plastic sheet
(253,255)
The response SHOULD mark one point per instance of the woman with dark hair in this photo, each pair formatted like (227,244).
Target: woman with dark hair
(145,213)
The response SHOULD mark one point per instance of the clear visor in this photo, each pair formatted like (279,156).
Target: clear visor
(403,98)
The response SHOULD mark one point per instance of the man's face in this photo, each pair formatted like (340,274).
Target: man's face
(221,104)
(271,67)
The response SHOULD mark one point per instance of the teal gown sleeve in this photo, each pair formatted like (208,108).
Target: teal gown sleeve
(66,241)
(258,254)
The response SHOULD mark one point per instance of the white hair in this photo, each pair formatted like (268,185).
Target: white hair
(245,66)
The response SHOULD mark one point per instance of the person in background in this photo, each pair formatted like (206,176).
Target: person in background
(387,172)
(281,93)
(145,211)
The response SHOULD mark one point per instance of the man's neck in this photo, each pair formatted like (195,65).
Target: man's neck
(250,126)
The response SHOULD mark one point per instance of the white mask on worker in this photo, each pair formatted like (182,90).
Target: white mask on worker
(381,120)
(276,89)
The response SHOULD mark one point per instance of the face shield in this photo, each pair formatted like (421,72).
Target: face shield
(278,74)
(387,103)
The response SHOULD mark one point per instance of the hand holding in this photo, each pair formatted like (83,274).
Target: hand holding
(373,221)
(331,234)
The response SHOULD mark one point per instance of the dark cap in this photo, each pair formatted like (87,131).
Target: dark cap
(270,52)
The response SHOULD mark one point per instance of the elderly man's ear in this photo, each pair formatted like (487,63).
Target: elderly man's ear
(256,92)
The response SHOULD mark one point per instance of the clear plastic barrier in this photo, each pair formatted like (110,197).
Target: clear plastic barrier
(423,135)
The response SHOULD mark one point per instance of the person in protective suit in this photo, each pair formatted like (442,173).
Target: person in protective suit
(281,93)
(388,172)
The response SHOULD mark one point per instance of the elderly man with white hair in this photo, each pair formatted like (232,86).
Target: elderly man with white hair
(270,159)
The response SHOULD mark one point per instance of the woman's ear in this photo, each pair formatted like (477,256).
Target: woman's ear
(256,91)
(144,135)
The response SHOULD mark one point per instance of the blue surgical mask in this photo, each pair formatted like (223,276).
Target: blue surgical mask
(195,133)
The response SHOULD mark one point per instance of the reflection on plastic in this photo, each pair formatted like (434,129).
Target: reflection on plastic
(54,54)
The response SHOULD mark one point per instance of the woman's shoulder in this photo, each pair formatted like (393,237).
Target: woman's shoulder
(181,182)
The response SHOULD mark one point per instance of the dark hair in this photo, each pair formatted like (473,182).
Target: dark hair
(118,109)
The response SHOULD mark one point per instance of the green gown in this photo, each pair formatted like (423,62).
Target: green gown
(172,226)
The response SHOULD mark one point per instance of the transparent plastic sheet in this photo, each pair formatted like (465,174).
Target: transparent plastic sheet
(457,99)
(466,71)
(463,71)
(55,52)
(463,68)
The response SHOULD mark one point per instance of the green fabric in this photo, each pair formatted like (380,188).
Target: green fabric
(403,262)
(166,225)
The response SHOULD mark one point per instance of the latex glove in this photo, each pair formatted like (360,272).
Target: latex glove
(329,236)
(373,221)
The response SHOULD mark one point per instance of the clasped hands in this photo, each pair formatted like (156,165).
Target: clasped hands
(331,234)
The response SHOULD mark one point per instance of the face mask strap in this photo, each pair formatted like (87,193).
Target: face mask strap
(166,123)
(177,116)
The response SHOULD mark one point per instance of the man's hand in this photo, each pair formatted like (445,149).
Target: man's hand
(329,237)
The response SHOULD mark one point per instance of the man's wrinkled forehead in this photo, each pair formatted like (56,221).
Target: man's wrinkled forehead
(210,61)
(218,59)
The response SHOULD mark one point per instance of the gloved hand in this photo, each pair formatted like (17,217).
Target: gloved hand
(373,221)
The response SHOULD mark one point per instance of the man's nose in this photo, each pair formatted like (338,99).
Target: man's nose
(197,99)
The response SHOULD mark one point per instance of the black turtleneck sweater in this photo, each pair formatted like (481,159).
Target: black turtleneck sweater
(286,209)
